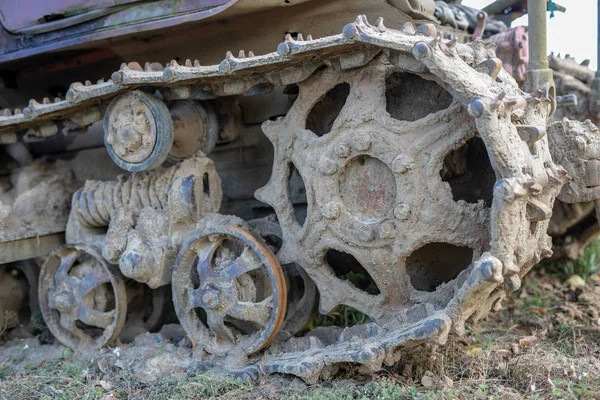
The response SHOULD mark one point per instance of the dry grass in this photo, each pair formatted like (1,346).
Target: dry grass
(544,344)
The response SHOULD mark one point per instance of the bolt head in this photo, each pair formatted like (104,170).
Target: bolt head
(342,150)
(327,166)
(210,298)
(331,210)
(401,164)
(387,230)
(362,142)
(402,211)
(366,234)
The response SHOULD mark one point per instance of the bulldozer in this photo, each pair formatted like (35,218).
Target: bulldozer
(255,164)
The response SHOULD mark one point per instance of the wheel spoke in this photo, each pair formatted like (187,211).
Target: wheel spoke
(217,326)
(62,273)
(246,262)
(52,299)
(92,280)
(67,321)
(195,300)
(204,270)
(100,319)
(259,313)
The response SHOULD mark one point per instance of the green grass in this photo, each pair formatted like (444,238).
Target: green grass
(343,316)
(585,266)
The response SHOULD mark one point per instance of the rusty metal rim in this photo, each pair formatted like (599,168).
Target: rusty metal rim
(301,311)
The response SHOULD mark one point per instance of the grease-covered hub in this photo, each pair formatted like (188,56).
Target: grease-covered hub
(368,188)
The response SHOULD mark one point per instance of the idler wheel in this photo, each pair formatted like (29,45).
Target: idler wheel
(82,297)
(229,290)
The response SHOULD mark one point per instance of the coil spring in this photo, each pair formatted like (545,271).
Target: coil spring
(98,200)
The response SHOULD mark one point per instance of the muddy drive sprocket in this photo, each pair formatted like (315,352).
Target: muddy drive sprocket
(373,181)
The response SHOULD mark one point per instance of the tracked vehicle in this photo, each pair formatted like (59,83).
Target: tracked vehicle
(394,168)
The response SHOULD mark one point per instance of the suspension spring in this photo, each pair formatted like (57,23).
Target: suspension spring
(98,200)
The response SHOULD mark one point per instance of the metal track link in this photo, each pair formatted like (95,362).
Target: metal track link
(294,60)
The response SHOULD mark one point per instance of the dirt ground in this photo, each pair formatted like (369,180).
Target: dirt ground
(545,343)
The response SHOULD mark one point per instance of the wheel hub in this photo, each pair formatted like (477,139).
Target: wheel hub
(212,298)
(65,301)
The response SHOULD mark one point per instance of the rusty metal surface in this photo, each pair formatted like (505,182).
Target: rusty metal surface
(77,288)
(216,291)
(382,184)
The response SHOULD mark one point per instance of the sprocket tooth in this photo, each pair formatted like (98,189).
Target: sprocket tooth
(299,37)
(46,100)
(251,53)
(309,37)
(379,24)
(491,67)
(197,63)
(7,112)
(514,283)
(491,269)
(538,211)
(510,268)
